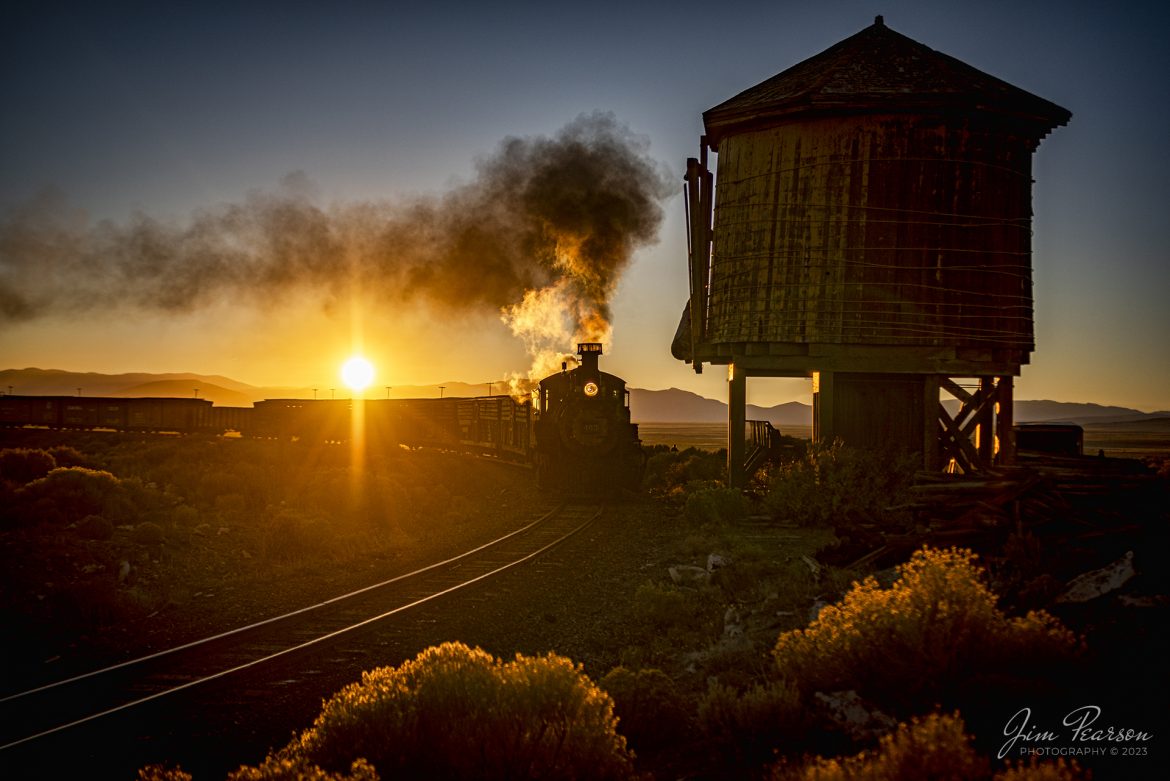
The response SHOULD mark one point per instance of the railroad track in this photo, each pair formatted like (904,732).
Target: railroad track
(29,716)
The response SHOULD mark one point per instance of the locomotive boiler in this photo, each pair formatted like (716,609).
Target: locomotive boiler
(585,442)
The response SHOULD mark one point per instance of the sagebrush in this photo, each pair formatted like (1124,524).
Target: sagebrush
(455,712)
(651,711)
(751,724)
(833,483)
(931,748)
(920,641)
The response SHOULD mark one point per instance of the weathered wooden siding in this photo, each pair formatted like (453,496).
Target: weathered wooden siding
(873,230)
(880,411)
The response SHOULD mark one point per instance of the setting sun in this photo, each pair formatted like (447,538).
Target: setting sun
(357,373)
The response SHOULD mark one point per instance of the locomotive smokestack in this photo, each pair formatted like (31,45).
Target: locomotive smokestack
(589,352)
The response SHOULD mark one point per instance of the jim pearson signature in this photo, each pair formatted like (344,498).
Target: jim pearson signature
(1082,728)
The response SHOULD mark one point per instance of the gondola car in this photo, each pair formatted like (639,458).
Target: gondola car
(585,442)
(496,426)
(171,415)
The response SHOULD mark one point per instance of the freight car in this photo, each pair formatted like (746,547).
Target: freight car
(585,441)
(1061,439)
(496,426)
(97,412)
(491,425)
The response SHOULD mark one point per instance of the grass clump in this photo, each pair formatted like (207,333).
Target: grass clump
(934,631)
(459,713)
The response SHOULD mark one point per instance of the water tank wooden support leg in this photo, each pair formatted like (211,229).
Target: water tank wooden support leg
(1005,421)
(824,429)
(985,439)
(736,423)
(931,449)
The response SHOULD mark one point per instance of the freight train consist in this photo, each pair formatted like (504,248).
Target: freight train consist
(580,438)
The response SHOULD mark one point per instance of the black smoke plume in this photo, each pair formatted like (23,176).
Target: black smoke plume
(565,212)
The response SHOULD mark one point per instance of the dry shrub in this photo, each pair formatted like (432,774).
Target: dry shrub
(65,455)
(662,605)
(666,617)
(22,465)
(833,482)
(751,724)
(163,773)
(917,642)
(185,516)
(651,712)
(715,506)
(149,534)
(1043,771)
(458,713)
(291,536)
(933,748)
(95,527)
(668,471)
(75,492)
(277,769)
(88,604)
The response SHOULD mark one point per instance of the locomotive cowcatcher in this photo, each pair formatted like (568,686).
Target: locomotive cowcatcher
(585,442)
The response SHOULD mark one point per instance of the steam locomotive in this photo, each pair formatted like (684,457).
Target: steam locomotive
(581,439)
(584,438)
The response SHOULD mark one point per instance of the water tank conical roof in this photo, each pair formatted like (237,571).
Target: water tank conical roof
(879,70)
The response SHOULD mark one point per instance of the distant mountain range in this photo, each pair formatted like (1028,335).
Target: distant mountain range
(646,406)
(680,406)
(1074,412)
(55,382)
(222,391)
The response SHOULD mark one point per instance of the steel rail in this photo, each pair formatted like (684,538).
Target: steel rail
(274,619)
(495,569)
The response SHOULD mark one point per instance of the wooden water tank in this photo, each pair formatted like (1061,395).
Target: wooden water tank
(873,213)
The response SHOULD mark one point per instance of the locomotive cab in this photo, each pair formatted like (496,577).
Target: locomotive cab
(584,439)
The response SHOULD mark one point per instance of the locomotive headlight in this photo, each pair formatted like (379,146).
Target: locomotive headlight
(591,389)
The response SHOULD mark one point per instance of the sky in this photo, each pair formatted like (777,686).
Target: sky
(169,120)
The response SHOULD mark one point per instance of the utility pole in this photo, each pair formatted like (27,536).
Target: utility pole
(441,389)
